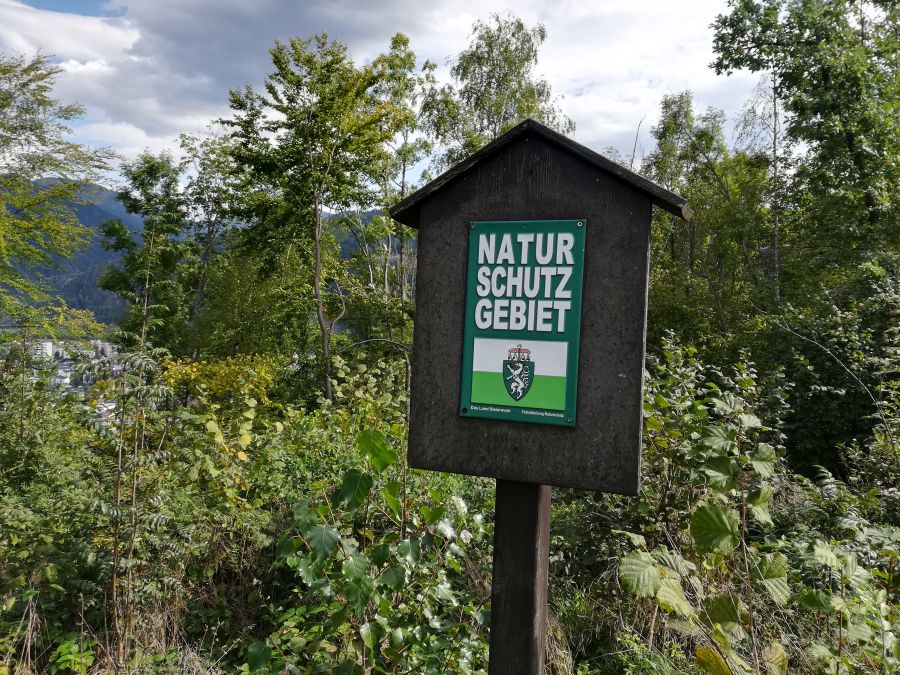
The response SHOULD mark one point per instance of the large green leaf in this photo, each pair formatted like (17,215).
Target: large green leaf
(393,577)
(715,529)
(671,598)
(303,517)
(763,460)
(672,561)
(354,489)
(728,611)
(720,438)
(758,500)
(722,472)
(322,540)
(371,633)
(825,554)
(711,661)
(817,600)
(358,585)
(391,494)
(258,655)
(771,571)
(376,448)
(639,574)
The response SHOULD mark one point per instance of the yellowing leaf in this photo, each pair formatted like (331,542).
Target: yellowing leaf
(244,440)
(775,659)
(711,661)
(243,456)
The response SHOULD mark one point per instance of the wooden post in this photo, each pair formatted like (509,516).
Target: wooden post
(519,585)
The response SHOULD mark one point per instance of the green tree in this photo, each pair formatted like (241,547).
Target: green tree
(155,275)
(706,273)
(835,68)
(211,193)
(41,175)
(494,88)
(312,142)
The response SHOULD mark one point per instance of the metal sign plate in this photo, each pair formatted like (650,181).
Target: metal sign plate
(523,321)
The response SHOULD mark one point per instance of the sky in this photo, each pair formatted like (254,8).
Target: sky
(148,70)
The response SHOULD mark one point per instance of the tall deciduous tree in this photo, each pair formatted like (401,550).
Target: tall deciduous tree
(706,272)
(41,175)
(494,87)
(211,196)
(155,275)
(313,141)
(835,63)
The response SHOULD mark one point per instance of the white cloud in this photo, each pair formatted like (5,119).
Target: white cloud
(165,66)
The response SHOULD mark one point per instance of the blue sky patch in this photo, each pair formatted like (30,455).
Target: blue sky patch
(83,7)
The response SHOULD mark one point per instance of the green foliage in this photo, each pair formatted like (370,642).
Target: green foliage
(249,508)
(156,272)
(41,176)
(495,89)
(744,547)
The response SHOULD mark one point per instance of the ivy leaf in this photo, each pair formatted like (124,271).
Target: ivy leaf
(763,460)
(639,574)
(354,489)
(775,659)
(671,598)
(711,661)
(376,448)
(322,540)
(771,571)
(715,529)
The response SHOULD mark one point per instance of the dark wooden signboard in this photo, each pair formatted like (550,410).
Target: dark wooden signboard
(587,433)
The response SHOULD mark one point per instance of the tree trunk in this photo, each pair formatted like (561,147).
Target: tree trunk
(320,302)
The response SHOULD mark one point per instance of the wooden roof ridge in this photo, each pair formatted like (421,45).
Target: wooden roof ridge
(406,211)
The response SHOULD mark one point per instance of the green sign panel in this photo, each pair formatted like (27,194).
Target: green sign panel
(523,321)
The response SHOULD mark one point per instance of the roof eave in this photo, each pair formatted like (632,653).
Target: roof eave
(407,210)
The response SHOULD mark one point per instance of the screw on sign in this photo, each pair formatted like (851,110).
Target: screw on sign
(532,286)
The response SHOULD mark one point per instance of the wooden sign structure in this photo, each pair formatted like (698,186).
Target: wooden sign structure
(528,350)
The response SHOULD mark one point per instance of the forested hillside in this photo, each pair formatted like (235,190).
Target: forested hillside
(227,490)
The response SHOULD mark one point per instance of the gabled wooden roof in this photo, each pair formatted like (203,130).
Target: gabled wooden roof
(407,211)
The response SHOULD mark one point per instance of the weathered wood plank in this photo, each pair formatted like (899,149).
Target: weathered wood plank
(519,585)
